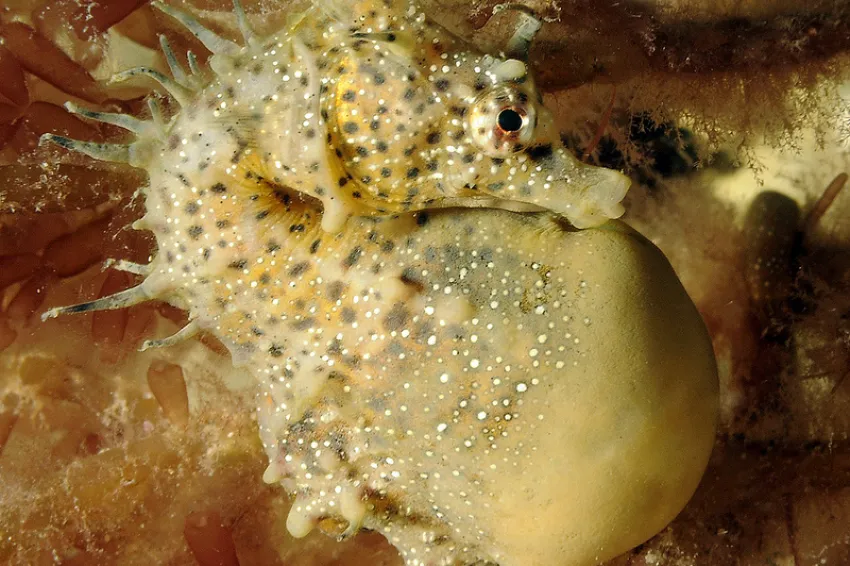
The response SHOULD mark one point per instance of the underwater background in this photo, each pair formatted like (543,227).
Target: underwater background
(731,118)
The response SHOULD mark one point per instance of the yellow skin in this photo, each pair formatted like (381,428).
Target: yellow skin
(474,384)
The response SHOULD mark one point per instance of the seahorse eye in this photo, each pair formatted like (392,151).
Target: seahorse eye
(502,121)
(510,120)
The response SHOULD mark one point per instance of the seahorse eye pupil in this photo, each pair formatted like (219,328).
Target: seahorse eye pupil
(510,120)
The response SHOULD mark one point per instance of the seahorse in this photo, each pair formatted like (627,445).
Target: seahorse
(453,343)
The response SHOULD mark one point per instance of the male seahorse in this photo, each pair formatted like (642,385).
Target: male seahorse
(475,383)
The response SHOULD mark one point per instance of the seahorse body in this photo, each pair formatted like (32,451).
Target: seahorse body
(474,384)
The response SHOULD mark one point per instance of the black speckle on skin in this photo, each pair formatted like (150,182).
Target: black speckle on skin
(451,254)
(299,268)
(275,351)
(195,232)
(296,228)
(349,96)
(411,278)
(219,188)
(431,254)
(396,318)
(262,214)
(413,172)
(353,256)
(191,208)
(348,315)
(539,152)
(434,137)
(335,290)
(238,264)
(422,219)
(314,247)
(442,85)
(459,111)
(282,197)
(350,128)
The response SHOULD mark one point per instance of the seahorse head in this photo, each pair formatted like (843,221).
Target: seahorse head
(421,119)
